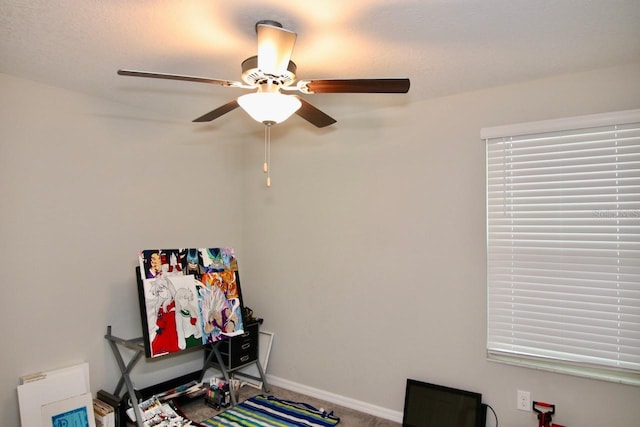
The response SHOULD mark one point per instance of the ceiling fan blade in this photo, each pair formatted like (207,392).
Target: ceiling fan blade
(314,115)
(224,109)
(275,46)
(355,86)
(180,77)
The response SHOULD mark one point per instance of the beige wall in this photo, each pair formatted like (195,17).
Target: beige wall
(366,257)
(84,184)
(368,253)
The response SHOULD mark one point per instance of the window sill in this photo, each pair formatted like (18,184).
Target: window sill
(620,377)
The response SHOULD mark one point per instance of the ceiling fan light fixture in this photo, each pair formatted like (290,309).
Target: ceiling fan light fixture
(269,107)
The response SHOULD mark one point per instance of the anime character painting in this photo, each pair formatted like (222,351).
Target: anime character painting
(151,261)
(188,324)
(188,298)
(162,320)
(221,311)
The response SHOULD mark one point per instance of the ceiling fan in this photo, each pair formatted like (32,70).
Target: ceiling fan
(270,73)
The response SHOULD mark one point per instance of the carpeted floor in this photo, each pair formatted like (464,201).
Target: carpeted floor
(198,411)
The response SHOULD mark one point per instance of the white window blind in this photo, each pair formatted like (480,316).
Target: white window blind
(563,242)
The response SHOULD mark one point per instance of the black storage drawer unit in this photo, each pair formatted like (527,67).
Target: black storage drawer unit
(241,349)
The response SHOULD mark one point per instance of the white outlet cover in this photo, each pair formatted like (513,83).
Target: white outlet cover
(524,401)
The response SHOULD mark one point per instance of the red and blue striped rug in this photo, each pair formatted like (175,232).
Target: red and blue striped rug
(267,411)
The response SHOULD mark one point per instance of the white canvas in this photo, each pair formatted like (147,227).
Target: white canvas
(52,387)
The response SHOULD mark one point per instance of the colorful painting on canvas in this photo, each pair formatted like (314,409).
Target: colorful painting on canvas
(189,297)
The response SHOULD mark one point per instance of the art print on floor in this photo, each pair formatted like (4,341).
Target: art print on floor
(188,298)
(76,411)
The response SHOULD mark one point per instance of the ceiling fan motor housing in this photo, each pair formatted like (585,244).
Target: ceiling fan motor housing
(252,75)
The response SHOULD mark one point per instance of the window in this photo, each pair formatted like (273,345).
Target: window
(563,245)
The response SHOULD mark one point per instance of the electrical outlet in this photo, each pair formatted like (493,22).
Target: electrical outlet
(524,401)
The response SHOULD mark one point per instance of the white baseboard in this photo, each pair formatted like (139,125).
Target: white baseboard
(347,402)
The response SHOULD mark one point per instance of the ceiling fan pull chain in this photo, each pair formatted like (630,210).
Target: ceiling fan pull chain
(265,166)
(267,152)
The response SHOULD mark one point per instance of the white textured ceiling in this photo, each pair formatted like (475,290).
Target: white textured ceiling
(443,46)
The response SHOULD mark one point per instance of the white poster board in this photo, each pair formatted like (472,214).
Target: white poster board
(48,387)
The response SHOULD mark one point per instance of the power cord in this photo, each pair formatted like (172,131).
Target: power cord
(494,413)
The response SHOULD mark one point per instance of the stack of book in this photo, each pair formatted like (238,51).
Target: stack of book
(104,414)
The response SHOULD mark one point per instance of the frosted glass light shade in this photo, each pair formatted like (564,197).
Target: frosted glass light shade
(269,107)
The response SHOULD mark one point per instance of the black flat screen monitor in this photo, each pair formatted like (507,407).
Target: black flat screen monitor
(431,405)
